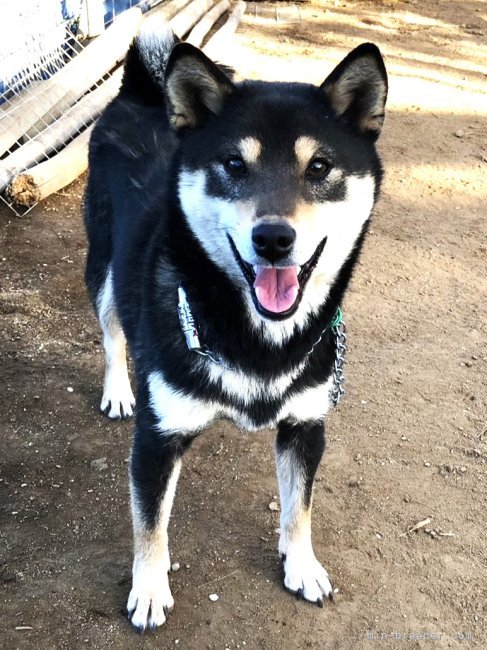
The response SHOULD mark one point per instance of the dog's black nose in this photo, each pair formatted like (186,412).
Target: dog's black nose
(273,241)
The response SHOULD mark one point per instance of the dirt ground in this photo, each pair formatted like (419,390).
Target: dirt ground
(409,442)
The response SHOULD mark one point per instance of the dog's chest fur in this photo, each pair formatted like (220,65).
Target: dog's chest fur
(251,402)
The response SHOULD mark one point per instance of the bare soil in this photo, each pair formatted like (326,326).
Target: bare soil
(409,442)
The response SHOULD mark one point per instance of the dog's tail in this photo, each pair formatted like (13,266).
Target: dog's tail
(146,60)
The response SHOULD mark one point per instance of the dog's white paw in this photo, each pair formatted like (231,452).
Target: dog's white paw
(305,577)
(150,600)
(118,401)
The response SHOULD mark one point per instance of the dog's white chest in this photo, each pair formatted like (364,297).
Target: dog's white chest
(182,412)
(243,388)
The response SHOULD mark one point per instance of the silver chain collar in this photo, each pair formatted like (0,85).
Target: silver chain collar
(338,390)
(190,332)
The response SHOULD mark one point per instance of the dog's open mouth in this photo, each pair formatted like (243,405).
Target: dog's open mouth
(277,291)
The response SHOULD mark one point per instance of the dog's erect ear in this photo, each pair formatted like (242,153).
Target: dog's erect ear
(357,89)
(195,86)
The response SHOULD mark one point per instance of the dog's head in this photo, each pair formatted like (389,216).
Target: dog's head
(277,180)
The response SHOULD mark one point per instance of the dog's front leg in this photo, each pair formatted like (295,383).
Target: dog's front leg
(155,467)
(299,448)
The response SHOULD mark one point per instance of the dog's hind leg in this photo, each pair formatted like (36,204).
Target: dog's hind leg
(299,447)
(155,467)
(118,400)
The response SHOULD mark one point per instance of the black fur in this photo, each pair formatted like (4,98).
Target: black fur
(306,440)
(152,462)
(134,221)
(362,93)
(191,116)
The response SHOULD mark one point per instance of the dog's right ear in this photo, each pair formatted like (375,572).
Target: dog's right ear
(196,87)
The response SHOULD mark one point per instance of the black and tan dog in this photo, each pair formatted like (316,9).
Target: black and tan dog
(241,206)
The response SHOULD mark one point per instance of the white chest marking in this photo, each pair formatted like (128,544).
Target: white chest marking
(178,412)
(310,404)
(245,389)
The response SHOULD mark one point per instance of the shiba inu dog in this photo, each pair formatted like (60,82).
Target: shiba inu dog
(224,221)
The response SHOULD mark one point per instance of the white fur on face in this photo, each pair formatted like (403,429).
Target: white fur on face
(341,222)
(212,219)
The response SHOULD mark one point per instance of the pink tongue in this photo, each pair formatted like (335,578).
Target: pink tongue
(276,289)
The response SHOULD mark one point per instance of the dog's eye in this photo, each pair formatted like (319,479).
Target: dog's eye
(235,166)
(317,168)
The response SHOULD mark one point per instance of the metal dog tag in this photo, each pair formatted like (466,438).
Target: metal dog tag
(187,321)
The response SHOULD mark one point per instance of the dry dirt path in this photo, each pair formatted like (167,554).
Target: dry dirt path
(409,441)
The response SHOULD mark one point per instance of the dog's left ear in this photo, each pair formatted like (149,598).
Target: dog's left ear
(357,89)
(196,87)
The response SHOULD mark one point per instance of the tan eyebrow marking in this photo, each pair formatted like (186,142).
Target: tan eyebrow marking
(305,148)
(250,148)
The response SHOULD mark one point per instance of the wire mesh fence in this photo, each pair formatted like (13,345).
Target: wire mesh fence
(53,97)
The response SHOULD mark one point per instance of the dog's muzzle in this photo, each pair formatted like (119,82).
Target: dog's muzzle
(277,290)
